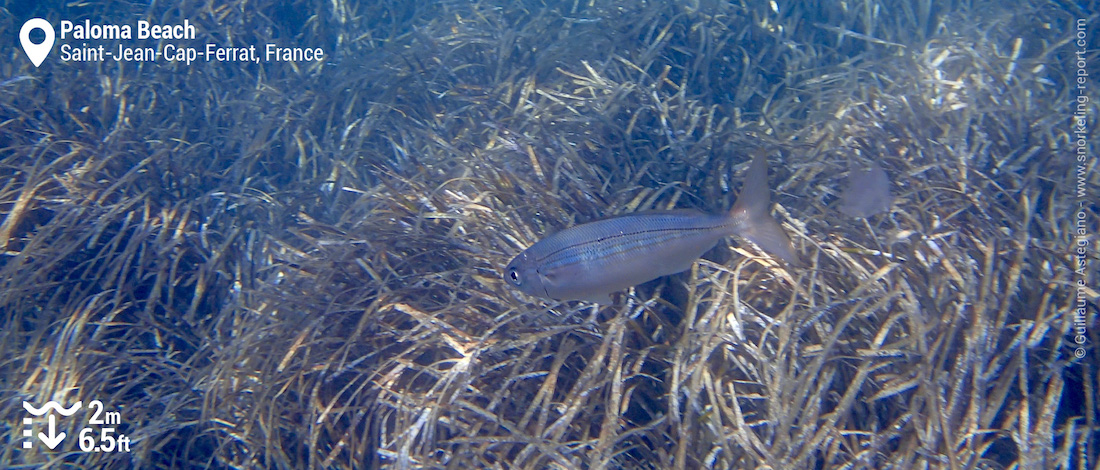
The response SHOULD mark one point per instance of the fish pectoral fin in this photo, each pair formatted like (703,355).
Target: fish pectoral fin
(602,299)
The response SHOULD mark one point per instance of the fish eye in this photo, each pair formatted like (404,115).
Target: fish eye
(514,276)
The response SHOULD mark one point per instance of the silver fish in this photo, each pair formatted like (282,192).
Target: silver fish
(591,261)
(868,192)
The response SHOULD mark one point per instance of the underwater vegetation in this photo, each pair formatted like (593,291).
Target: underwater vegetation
(298,265)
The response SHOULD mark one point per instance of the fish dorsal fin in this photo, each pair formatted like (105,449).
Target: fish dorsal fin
(684,212)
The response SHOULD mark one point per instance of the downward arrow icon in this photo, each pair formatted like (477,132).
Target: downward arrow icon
(53,439)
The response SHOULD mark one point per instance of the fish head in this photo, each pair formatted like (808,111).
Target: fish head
(522,273)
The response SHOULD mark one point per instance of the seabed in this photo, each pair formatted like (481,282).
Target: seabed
(297,265)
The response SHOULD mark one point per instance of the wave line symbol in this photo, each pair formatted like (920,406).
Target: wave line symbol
(51,404)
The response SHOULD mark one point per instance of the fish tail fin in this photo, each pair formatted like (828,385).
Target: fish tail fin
(751,217)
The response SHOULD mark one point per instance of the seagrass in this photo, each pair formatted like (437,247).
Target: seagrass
(298,266)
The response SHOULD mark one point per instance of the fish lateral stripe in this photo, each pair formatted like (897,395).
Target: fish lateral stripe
(619,244)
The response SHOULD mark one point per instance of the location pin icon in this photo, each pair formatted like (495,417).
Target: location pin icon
(36,52)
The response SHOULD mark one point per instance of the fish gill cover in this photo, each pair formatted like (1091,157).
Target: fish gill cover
(297,264)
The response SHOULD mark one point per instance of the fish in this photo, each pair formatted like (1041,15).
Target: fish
(594,260)
(868,192)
